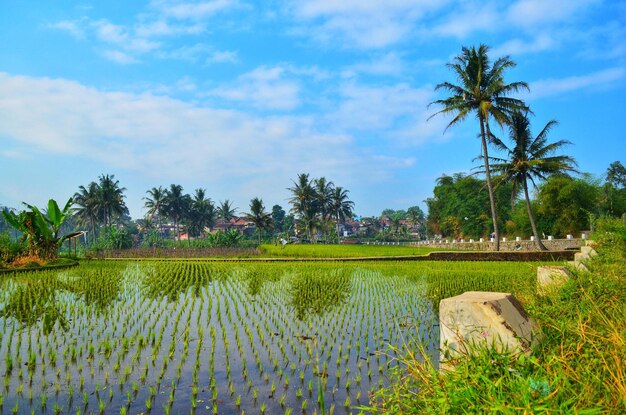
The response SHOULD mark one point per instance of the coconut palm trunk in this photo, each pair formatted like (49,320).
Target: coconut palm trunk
(531,218)
(485,124)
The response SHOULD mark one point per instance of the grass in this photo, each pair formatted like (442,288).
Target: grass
(343,251)
(578,367)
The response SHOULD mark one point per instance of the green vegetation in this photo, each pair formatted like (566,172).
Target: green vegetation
(578,366)
(483,92)
(174,335)
(41,232)
(341,251)
(529,159)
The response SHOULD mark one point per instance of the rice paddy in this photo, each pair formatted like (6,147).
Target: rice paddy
(207,337)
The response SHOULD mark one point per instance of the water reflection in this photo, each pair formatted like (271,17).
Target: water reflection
(32,302)
(314,292)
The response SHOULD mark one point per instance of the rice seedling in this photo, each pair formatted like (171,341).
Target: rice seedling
(268,324)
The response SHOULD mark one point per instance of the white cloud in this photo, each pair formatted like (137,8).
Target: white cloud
(193,10)
(160,139)
(388,64)
(530,13)
(358,23)
(119,57)
(558,86)
(72,27)
(264,87)
(519,47)
(222,56)
(467,18)
(159,28)
(109,32)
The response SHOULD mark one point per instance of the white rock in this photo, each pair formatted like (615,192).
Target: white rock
(476,317)
(550,277)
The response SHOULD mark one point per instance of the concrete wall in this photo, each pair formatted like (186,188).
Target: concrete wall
(526,245)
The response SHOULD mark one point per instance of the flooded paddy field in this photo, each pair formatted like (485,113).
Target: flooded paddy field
(222,338)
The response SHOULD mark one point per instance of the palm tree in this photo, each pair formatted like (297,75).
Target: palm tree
(482,91)
(177,205)
(341,207)
(529,159)
(156,205)
(110,199)
(226,211)
(86,210)
(303,202)
(323,201)
(202,213)
(261,219)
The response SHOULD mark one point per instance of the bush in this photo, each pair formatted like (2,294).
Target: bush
(9,249)
(610,235)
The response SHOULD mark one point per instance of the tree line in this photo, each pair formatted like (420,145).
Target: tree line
(481,91)
(563,205)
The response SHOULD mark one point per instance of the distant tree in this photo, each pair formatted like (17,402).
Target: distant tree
(111,203)
(42,232)
(616,175)
(201,214)
(177,205)
(87,206)
(278,217)
(529,159)
(156,204)
(460,206)
(303,201)
(482,91)
(415,218)
(226,211)
(257,215)
(566,205)
(341,206)
(615,189)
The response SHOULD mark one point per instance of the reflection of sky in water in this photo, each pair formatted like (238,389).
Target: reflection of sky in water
(176,327)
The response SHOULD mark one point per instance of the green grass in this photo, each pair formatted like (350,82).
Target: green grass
(577,367)
(342,251)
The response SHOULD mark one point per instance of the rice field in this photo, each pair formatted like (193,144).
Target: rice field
(207,337)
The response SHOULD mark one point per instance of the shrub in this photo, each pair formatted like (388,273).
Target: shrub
(610,234)
(9,249)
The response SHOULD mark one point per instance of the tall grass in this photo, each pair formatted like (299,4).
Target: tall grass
(342,251)
(578,367)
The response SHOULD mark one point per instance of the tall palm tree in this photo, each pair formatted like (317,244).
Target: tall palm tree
(483,92)
(323,201)
(303,201)
(341,207)
(257,215)
(202,213)
(86,210)
(226,211)
(529,159)
(156,205)
(110,199)
(177,205)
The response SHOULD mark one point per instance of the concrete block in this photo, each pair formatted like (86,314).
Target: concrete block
(518,239)
(550,237)
(588,250)
(581,257)
(580,266)
(487,318)
(549,277)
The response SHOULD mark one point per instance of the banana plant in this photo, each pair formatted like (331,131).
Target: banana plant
(39,230)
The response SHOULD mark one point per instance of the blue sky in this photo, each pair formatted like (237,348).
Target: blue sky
(238,96)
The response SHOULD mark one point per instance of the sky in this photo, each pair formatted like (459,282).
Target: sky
(239,97)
